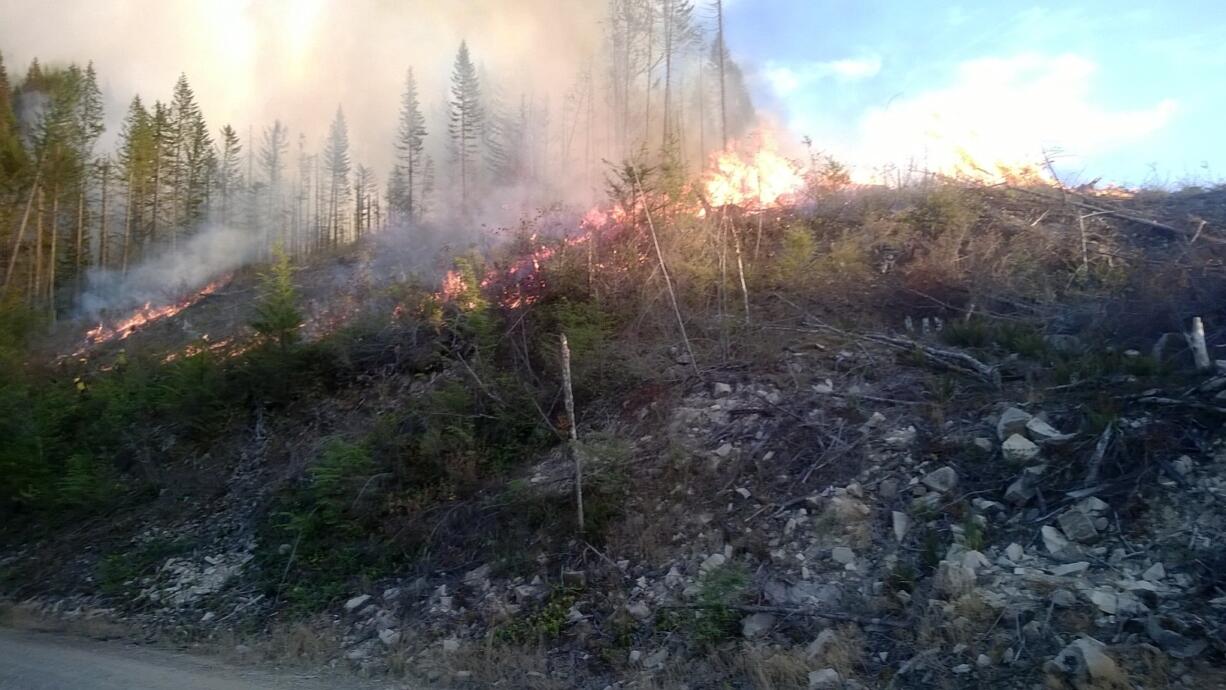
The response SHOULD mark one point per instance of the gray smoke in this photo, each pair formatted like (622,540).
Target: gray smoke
(169,276)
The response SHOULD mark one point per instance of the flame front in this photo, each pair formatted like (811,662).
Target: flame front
(760,179)
(146,315)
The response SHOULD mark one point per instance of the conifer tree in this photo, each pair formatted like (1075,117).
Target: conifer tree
(466,120)
(410,150)
(229,171)
(337,166)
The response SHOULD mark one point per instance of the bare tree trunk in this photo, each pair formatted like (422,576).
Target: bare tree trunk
(55,237)
(79,240)
(740,270)
(668,281)
(21,230)
(723,101)
(36,289)
(574,430)
(103,240)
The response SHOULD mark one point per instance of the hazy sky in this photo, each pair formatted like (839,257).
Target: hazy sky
(1116,86)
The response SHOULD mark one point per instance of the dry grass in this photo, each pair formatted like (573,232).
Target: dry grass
(30,618)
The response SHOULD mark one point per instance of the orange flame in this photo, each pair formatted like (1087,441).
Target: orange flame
(758,179)
(146,315)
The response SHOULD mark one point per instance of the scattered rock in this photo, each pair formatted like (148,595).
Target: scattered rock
(900,438)
(825,679)
(984,444)
(574,579)
(942,480)
(1171,642)
(757,625)
(356,603)
(1088,664)
(451,645)
(843,555)
(1012,421)
(1015,552)
(721,390)
(712,562)
(1077,526)
(639,610)
(825,640)
(1064,599)
(1155,573)
(1060,548)
(389,638)
(1042,432)
(901,523)
(1114,603)
(1019,450)
(953,579)
(1020,491)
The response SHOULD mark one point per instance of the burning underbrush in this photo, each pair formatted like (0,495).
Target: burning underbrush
(737,346)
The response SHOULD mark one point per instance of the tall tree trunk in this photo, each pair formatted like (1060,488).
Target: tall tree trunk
(36,288)
(55,238)
(103,239)
(157,188)
(79,241)
(21,230)
(723,100)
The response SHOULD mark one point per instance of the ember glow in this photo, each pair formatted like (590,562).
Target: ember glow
(120,330)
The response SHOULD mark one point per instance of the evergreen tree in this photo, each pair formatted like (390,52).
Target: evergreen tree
(466,120)
(337,165)
(273,152)
(12,154)
(410,149)
(229,171)
(136,153)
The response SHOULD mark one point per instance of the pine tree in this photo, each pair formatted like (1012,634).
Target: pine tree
(12,155)
(229,171)
(410,149)
(336,162)
(136,152)
(465,121)
(273,152)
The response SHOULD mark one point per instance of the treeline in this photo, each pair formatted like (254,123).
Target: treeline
(665,89)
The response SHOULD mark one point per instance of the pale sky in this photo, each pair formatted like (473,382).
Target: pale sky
(1129,91)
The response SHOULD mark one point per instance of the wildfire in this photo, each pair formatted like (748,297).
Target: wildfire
(146,315)
(757,179)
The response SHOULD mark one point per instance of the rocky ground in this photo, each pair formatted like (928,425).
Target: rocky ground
(838,517)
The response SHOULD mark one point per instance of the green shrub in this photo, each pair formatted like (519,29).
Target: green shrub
(278,318)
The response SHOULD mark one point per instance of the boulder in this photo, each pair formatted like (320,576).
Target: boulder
(843,555)
(942,480)
(1012,421)
(1077,526)
(1088,665)
(1042,432)
(1019,450)
(953,579)
(357,603)
(757,625)
(901,523)
(825,679)
(1059,547)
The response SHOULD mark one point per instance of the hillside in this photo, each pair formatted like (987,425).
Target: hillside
(948,435)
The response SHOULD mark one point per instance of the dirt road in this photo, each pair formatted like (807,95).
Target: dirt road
(30,661)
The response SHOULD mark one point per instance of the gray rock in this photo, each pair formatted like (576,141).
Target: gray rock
(721,390)
(357,603)
(1063,598)
(1171,642)
(391,594)
(825,679)
(1042,432)
(1077,526)
(639,610)
(942,480)
(1155,573)
(574,579)
(984,444)
(1087,661)
(1115,603)
(712,562)
(843,555)
(1020,491)
(901,523)
(389,638)
(900,438)
(1012,421)
(451,645)
(1059,547)
(1018,450)
(953,579)
(825,640)
(757,625)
